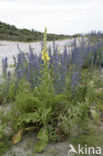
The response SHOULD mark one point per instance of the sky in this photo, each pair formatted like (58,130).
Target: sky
(59,16)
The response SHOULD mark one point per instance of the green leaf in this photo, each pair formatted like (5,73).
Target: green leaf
(94,115)
(44,114)
(43,136)
(17,138)
(40,146)
(28,118)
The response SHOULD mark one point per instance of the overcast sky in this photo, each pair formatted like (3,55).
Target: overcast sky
(59,16)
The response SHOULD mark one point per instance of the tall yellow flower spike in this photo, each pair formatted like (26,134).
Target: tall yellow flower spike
(45,56)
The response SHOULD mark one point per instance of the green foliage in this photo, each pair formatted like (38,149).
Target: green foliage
(11,92)
(53,136)
(10,32)
(4,145)
(4,141)
(73,117)
(54,116)
(26,102)
(37,107)
(94,115)
(45,115)
(92,138)
(2,94)
(32,118)
(48,98)
(2,128)
(43,136)
(99,99)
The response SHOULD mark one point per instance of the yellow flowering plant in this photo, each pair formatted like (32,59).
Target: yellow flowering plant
(46,78)
(45,56)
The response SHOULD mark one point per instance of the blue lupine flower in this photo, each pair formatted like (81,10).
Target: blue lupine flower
(50,56)
(61,64)
(33,68)
(4,66)
(75,80)
(8,81)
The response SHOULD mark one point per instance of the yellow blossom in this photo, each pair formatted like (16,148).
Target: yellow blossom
(45,56)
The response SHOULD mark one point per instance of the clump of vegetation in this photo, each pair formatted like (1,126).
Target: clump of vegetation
(11,33)
(53,93)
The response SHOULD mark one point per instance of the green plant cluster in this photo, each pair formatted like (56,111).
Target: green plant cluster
(54,117)
(10,32)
